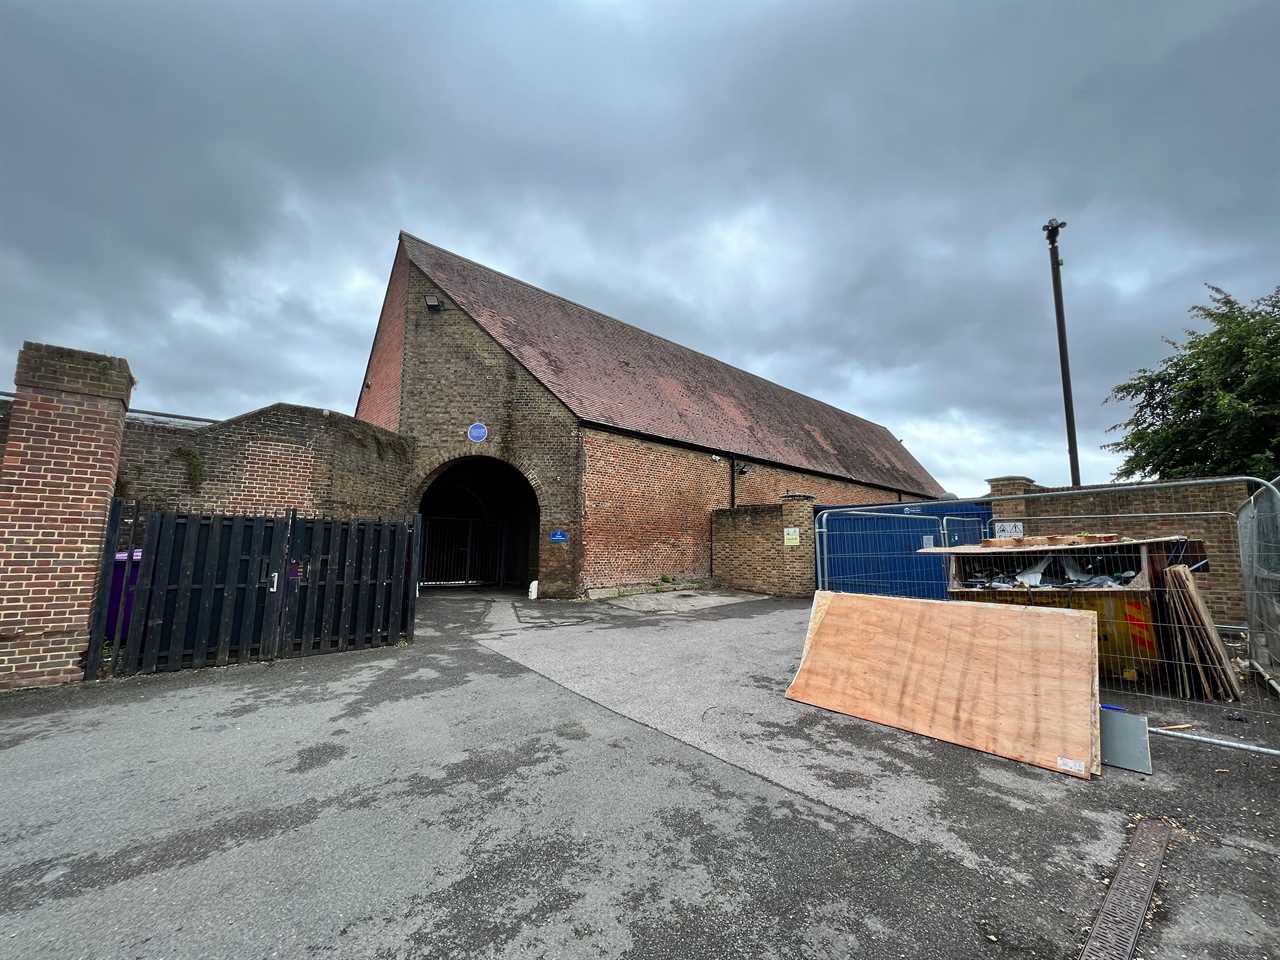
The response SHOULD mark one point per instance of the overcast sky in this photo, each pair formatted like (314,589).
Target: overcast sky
(844,198)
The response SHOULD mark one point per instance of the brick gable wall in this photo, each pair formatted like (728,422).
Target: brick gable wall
(380,400)
(456,374)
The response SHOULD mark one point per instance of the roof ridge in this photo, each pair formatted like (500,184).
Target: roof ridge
(648,333)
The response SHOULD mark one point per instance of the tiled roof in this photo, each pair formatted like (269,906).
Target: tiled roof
(616,375)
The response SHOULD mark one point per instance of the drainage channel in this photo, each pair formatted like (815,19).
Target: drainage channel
(1115,933)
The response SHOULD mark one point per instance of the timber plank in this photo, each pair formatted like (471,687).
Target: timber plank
(159,593)
(364,596)
(127,656)
(385,533)
(327,638)
(230,589)
(213,546)
(348,582)
(250,625)
(1018,682)
(1203,619)
(190,524)
(120,634)
(399,563)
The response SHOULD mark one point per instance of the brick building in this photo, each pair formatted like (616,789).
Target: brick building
(539,439)
(554,443)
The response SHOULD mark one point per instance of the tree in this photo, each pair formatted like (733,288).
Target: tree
(1212,408)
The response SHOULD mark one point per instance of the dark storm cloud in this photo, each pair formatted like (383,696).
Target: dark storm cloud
(845,198)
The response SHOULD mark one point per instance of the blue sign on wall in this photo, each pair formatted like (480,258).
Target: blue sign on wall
(477,433)
(559,535)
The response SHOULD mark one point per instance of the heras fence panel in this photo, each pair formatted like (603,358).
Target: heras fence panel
(1186,600)
(875,549)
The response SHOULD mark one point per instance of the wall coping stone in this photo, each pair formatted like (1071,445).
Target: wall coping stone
(43,366)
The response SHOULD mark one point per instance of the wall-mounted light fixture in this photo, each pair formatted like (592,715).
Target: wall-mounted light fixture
(433,303)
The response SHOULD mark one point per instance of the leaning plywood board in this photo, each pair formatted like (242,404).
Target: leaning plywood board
(821,600)
(1020,682)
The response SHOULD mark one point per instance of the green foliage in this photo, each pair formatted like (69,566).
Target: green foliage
(1212,408)
(195,466)
(362,433)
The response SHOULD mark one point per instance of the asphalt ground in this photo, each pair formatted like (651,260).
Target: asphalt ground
(584,780)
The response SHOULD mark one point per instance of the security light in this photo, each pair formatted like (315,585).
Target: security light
(433,303)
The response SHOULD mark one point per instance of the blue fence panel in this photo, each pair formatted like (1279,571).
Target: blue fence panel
(874,549)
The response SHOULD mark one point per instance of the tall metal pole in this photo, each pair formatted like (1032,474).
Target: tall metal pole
(1051,230)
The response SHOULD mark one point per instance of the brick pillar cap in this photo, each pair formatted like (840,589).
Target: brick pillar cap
(797,496)
(1010,477)
(49,367)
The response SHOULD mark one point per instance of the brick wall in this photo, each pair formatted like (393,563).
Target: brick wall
(648,506)
(455,375)
(751,551)
(647,509)
(379,400)
(60,456)
(766,484)
(5,406)
(280,457)
(1221,584)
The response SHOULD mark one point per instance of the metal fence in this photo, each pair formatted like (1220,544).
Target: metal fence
(1188,602)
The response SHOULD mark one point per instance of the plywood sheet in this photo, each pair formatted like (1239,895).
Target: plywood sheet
(1019,682)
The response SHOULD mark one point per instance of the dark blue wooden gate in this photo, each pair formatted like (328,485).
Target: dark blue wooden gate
(181,590)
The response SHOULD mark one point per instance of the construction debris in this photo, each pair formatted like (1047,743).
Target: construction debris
(1056,540)
(1018,682)
(1204,668)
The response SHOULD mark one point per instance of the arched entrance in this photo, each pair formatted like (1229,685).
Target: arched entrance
(480,526)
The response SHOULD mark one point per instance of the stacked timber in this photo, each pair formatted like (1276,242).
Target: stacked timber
(1202,666)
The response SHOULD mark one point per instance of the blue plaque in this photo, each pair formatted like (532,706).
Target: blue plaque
(477,433)
(559,535)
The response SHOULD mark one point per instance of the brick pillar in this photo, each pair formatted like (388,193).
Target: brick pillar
(797,573)
(56,483)
(1009,487)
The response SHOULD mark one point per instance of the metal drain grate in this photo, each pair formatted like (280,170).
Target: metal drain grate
(1115,933)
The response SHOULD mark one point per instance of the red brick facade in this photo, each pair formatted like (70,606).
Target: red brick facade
(647,505)
(766,484)
(60,457)
(380,394)
(647,510)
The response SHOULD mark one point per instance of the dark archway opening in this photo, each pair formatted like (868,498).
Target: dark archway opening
(480,526)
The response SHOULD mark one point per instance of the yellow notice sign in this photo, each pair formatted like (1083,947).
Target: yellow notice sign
(791,536)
